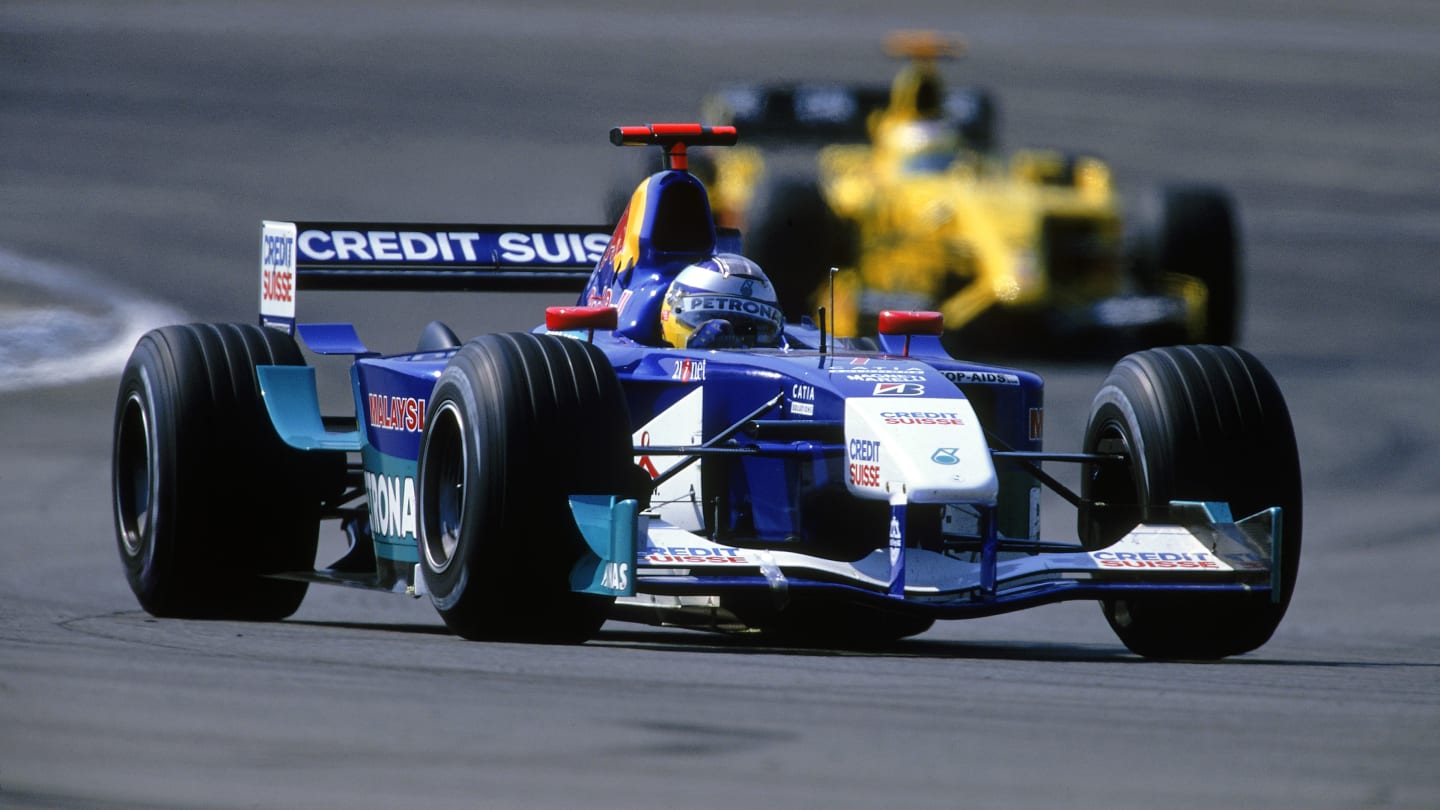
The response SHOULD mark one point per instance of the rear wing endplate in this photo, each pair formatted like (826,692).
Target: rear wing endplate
(420,258)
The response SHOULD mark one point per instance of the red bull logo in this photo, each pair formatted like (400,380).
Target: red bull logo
(624,248)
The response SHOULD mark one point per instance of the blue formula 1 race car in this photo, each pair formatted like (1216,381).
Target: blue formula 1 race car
(668,450)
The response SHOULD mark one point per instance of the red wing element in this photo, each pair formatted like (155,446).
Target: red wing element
(676,138)
(897,322)
(559,319)
(909,323)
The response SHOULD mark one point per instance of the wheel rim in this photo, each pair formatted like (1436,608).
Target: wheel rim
(1114,485)
(134,468)
(443,478)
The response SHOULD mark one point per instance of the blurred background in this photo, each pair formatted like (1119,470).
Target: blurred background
(141,144)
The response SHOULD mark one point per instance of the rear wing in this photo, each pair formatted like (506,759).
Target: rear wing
(298,256)
(820,113)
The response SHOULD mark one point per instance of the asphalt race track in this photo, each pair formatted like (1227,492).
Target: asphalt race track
(141,144)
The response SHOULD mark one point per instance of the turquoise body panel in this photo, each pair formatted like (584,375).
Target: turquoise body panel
(390,488)
(294,407)
(609,526)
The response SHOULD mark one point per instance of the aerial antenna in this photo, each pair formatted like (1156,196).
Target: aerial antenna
(833,271)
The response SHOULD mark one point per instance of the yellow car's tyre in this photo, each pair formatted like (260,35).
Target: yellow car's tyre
(1192,230)
(795,237)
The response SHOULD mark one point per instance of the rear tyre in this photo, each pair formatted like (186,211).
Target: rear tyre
(1191,230)
(516,424)
(207,498)
(1197,423)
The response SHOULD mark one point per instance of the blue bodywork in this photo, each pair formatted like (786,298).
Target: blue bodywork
(772,511)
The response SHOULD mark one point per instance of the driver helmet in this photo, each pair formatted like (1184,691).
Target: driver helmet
(723,302)
(921,146)
(913,131)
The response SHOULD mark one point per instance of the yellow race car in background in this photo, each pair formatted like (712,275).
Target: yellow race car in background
(904,192)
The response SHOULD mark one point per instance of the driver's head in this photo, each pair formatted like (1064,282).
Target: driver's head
(919,146)
(720,303)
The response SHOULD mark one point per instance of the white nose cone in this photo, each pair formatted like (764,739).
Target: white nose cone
(933,448)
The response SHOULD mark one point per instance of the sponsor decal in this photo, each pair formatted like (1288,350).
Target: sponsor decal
(397,413)
(615,576)
(693,554)
(277,274)
(645,462)
(981,377)
(865,475)
(802,400)
(945,456)
(899,389)
(688,370)
(450,246)
(277,279)
(392,504)
(556,248)
(1155,559)
(922,418)
(730,303)
(864,450)
(369,246)
(911,374)
(896,540)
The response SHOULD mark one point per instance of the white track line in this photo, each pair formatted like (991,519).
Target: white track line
(85,328)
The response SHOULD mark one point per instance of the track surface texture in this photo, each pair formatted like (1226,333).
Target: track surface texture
(142,143)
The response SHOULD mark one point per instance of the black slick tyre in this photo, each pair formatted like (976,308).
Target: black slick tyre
(516,424)
(1191,230)
(207,499)
(1197,423)
(795,237)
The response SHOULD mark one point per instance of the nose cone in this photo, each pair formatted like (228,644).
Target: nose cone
(934,447)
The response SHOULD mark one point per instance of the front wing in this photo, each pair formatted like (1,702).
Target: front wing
(1203,549)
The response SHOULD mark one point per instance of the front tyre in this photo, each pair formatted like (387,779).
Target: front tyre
(516,424)
(1197,423)
(207,498)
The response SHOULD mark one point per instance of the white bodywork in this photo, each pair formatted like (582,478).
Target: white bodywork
(929,448)
(676,500)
